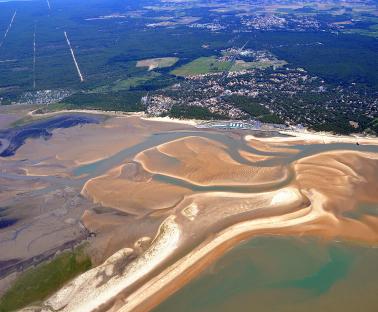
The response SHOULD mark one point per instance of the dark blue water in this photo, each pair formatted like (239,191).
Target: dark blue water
(5,222)
(42,129)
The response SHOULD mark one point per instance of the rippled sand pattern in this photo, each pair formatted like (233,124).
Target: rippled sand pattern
(174,198)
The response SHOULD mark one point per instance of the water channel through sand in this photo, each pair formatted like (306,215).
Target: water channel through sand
(211,188)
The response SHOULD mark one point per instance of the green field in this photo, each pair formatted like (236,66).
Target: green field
(202,65)
(36,284)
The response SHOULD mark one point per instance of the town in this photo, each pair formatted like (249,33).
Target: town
(273,95)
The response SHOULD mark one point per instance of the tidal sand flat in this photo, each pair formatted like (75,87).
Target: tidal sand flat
(160,202)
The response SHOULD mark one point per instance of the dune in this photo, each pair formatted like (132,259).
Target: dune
(105,282)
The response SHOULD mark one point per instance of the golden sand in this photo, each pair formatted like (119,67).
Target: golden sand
(311,196)
(265,145)
(328,180)
(205,162)
(130,196)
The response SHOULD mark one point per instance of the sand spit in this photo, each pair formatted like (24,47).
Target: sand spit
(36,113)
(191,122)
(153,292)
(315,137)
(141,115)
(103,284)
(338,175)
(197,196)
(312,220)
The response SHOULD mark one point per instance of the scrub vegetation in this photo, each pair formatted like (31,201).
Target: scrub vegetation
(38,283)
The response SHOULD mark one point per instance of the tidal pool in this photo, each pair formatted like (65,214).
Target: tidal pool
(284,274)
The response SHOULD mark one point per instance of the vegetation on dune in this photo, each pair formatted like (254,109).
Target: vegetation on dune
(36,284)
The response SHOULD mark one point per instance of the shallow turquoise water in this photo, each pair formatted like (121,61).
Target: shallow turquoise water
(284,274)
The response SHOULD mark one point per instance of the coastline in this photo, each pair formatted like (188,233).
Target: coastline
(324,137)
(206,164)
(312,136)
(142,115)
(184,270)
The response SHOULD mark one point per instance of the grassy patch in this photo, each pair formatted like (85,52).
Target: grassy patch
(202,65)
(38,283)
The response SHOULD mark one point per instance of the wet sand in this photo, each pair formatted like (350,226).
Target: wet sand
(205,162)
(165,199)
